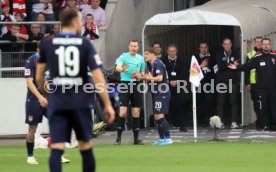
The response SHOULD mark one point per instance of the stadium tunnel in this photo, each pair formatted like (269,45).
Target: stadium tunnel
(241,20)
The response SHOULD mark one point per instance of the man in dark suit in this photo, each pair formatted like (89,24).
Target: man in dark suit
(226,76)
(180,101)
(205,98)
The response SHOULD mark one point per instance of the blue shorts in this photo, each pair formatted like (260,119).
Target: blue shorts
(161,104)
(61,123)
(34,112)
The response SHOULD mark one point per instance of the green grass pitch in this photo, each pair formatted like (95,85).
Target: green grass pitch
(180,157)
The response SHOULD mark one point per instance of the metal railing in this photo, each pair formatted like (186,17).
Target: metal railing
(12,64)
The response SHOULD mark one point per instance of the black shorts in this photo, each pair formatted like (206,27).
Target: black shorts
(161,104)
(61,123)
(34,112)
(131,95)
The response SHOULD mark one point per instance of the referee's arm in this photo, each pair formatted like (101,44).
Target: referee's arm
(120,68)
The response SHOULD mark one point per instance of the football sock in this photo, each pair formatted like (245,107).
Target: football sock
(136,128)
(159,129)
(121,124)
(88,161)
(30,148)
(55,160)
(164,126)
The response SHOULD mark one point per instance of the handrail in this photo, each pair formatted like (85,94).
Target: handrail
(36,22)
(6,52)
(17,42)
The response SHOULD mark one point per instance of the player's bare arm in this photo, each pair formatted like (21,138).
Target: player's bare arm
(30,84)
(40,70)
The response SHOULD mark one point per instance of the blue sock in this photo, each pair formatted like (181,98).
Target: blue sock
(159,129)
(55,160)
(88,161)
(166,128)
(30,148)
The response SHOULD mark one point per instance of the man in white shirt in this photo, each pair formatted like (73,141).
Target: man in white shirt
(98,13)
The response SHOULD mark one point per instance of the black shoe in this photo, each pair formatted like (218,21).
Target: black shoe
(138,142)
(183,129)
(118,141)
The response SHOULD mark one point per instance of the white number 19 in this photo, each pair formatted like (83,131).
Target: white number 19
(68,60)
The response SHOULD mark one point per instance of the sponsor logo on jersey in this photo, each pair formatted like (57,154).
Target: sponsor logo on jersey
(30,118)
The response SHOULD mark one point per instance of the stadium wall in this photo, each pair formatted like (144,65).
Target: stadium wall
(12,107)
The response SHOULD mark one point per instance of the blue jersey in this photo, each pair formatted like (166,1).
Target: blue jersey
(158,68)
(30,70)
(69,57)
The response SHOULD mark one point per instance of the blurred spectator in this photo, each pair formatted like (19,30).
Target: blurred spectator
(56,30)
(11,36)
(89,29)
(34,35)
(57,7)
(6,17)
(71,4)
(98,13)
(19,6)
(43,27)
(20,18)
(78,4)
(42,6)
(60,5)
(85,9)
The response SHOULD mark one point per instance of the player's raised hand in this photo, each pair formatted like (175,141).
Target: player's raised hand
(109,114)
(232,66)
(43,101)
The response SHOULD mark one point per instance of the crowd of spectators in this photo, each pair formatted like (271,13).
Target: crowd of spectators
(23,37)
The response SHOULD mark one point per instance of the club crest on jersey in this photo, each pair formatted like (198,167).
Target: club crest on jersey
(27,72)
(30,118)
